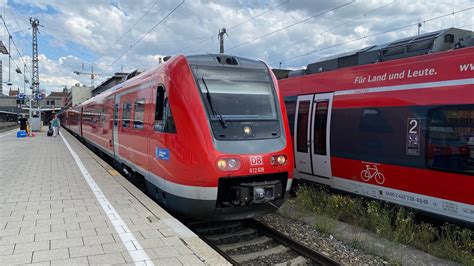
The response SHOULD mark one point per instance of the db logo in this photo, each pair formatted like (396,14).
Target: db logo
(256,160)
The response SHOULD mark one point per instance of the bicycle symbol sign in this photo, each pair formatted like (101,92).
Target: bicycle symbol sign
(371,171)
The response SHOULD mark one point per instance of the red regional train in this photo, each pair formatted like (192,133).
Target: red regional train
(392,122)
(208,134)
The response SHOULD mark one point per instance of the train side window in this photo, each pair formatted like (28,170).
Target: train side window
(160,98)
(373,120)
(139,114)
(290,104)
(126,114)
(169,121)
(116,114)
(164,121)
(450,141)
(302,130)
(320,126)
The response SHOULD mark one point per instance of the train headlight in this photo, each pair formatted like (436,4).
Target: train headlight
(221,164)
(232,163)
(247,131)
(278,160)
(228,164)
(281,160)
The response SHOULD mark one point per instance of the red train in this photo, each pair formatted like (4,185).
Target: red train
(208,133)
(399,130)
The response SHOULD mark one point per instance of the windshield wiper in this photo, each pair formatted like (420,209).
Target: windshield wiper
(213,109)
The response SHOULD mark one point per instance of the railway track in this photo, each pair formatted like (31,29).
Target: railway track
(250,242)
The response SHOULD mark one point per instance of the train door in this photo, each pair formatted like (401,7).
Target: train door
(312,125)
(115,127)
(320,125)
(302,134)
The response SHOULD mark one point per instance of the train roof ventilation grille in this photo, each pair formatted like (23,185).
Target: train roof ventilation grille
(227,60)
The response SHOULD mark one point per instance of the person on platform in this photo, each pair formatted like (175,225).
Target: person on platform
(22,121)
(55,125)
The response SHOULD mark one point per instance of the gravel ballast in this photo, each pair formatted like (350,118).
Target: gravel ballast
(326,244)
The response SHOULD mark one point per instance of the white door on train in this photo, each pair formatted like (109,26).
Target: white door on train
(312,124)
(320,126)
(302,134)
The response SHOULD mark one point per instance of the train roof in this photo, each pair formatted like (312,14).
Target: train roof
(225,60)
(218,60)
(431,42)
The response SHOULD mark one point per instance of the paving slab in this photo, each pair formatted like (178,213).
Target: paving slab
(62,204)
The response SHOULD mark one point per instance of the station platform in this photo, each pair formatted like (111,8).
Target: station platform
(60,204)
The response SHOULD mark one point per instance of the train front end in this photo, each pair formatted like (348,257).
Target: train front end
(250,151)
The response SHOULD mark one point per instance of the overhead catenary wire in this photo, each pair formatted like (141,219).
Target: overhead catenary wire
(134,25)
(258,15)
(143,36)
(370,35)
(291,25)
(16,47)
(377,9)
(207,38)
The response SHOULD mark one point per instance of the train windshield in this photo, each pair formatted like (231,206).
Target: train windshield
(232,93)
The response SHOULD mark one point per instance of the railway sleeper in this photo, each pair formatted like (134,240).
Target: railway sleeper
(265,253)
(296,261)
(229,227)
(247,233)
(253,242)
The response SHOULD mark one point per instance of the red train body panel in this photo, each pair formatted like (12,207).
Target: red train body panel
(400,131)
(159,124)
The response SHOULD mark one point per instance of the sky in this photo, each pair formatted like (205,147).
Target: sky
(122,35)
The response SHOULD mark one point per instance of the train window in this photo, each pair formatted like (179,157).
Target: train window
(320,126)
(126,114)
(373,120)
(164,121)
(160,97)
(139,114)
(116,114)
(302,130)
(169,121)
(450,142)
(290,103)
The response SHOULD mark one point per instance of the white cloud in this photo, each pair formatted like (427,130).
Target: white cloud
(95,32)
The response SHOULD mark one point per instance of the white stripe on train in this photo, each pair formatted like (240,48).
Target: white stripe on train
(457,210)
(412,86)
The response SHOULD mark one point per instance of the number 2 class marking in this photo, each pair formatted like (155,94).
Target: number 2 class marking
(414,124)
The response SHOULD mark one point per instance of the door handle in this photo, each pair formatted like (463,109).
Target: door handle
(110,143)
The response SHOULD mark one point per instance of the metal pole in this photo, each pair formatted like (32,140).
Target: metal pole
(24,79)
(92,77)
(31,100)
(9,58)
(221,39)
